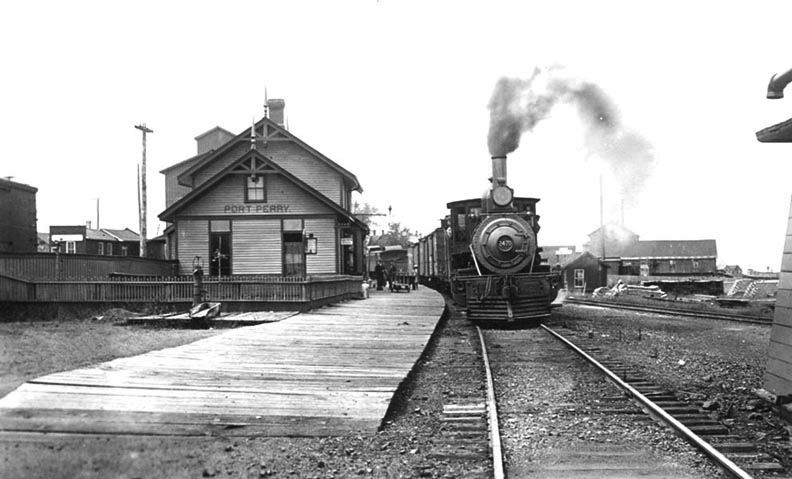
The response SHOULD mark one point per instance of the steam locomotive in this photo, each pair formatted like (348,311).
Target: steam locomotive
(485,255)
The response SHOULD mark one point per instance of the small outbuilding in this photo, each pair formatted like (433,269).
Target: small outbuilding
(584,273)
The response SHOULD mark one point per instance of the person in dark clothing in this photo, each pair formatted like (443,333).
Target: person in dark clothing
(379,273)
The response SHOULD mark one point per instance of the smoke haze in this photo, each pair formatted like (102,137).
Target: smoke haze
(518,105)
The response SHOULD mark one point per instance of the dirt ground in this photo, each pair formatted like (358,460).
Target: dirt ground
(713,362)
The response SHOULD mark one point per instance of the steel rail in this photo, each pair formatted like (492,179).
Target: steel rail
(492,412)
(672,312)
(729,467)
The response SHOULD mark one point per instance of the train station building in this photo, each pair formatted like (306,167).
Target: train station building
(262,202)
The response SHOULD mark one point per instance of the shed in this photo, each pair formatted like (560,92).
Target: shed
(584,273)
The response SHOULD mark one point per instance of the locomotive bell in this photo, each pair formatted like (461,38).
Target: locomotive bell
(504,244)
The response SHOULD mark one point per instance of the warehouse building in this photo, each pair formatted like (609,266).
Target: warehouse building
(17,217)
(262,202)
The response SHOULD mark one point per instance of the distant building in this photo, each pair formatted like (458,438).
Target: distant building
(554,256)
(262,202)
(101,242)
(733,270)
(17,218)
(668,258)
(615,239)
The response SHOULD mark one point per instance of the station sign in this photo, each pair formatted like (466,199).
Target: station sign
(256,209)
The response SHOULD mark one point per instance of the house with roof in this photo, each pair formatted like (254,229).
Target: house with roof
(733,270)
(668,258)
(262,201)
(81,239)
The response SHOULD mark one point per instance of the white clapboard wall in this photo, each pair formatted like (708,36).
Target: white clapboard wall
(778,377)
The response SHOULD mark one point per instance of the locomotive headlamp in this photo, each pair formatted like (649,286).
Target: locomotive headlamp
(502,195)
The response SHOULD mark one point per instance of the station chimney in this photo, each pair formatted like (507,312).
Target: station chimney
(275,106)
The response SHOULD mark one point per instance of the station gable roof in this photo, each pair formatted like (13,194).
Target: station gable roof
(257,162)
(271,131)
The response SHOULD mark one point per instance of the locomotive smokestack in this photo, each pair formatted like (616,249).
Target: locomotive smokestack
(498,170)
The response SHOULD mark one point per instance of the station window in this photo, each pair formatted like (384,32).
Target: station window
(109,249)
(101,248)
(255,191)
(71,247)
(695,265)
(672,265)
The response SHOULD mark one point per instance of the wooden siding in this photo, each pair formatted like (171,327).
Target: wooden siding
(173,190)
(41,266)
(306,167)
(256,246)
(324,261)
(778,377)
(193,241)
(228,198)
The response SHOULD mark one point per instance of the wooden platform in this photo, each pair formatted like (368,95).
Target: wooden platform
(332,371)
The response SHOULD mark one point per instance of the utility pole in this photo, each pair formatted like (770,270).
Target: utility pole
(142,191)
(602,219)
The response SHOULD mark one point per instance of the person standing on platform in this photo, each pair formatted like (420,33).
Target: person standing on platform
(392,276)
(379,273)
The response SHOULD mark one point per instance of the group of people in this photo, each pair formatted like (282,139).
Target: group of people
(384,277)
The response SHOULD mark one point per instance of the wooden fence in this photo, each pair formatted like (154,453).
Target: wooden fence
(52,266)
(179,289)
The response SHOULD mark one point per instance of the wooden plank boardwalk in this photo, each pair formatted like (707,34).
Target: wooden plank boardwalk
(332,371)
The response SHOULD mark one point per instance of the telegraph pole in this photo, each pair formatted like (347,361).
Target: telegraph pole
(142,191)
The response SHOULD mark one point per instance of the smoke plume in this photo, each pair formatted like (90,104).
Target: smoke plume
(518,105)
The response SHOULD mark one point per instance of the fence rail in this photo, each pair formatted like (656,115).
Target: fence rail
(180,289)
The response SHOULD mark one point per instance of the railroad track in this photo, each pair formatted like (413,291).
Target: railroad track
(671,312)
(638,400)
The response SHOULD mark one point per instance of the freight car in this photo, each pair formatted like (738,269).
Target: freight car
(485,255)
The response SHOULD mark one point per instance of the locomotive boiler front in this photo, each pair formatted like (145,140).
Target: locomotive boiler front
(504,244)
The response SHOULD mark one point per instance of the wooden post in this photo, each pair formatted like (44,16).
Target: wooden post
(142,189)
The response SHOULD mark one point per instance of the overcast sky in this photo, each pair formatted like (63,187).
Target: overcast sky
(397,93)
